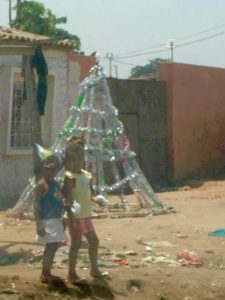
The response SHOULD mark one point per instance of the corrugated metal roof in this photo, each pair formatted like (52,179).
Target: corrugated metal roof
(11,34)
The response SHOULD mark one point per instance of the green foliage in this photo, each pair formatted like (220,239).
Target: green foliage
(33,17)
(151,69)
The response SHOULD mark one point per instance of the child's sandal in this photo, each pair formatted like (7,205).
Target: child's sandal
(51,279)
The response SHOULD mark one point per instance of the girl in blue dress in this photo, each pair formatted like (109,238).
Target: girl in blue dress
(48,210)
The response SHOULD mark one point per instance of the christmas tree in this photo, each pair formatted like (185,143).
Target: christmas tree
(108,156)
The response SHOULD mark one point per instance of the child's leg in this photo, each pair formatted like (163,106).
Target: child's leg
(75,237)
(93,242)
(48,257)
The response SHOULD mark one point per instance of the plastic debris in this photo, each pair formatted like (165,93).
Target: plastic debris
(156,244)
(161,259)
(188,257)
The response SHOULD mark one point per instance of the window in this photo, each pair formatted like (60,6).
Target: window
(20,136)
(18,112)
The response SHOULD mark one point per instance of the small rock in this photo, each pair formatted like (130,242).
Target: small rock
(182,236)
(9,291)
(148,249)
(139,240)
(184,188)
(130,252)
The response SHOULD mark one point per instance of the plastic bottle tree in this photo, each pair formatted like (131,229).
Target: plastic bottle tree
(107,150)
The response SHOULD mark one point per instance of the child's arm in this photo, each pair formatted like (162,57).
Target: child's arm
(69,184)
(39,191)
(95,199)
(92,192)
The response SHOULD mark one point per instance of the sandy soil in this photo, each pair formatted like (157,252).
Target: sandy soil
(141,254)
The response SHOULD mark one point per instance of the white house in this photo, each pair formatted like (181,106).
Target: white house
(15,114)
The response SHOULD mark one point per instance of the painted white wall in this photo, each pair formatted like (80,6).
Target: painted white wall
(15,170)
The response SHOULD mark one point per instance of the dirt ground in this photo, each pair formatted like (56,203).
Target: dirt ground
(140,254)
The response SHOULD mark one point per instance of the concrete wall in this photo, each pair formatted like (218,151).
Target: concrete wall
(196,119)
(142,109)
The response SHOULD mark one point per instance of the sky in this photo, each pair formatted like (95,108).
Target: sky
(134,32)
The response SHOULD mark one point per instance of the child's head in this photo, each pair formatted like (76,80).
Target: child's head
(50,167)
(74,154)
(45,162)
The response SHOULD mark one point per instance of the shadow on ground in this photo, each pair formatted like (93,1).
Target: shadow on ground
(98,288)
(8,258)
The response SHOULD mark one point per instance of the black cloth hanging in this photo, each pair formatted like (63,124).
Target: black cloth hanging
(41,67)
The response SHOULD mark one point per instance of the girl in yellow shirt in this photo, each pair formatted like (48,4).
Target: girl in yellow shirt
(77,192)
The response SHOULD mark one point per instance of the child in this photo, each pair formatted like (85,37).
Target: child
(48,209)
(77,189)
